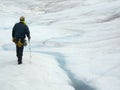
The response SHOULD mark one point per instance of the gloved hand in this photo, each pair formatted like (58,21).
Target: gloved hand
(13,39)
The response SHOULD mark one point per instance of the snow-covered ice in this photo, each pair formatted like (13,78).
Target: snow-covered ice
(75,45)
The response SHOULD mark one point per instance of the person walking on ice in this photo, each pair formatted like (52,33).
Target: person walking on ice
(19,33)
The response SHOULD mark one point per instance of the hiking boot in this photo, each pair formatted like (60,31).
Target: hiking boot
(19,60)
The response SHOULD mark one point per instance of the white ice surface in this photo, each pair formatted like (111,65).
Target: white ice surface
(75,45)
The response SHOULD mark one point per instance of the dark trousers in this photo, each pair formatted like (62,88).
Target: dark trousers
(19,52)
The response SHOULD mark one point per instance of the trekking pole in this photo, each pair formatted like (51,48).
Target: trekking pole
(30,48)
(30,51)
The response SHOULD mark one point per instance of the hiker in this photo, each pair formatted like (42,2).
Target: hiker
(19,33)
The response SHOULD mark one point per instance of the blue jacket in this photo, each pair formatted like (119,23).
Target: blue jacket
(20,30)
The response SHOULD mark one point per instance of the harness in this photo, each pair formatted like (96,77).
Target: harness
(19,43)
